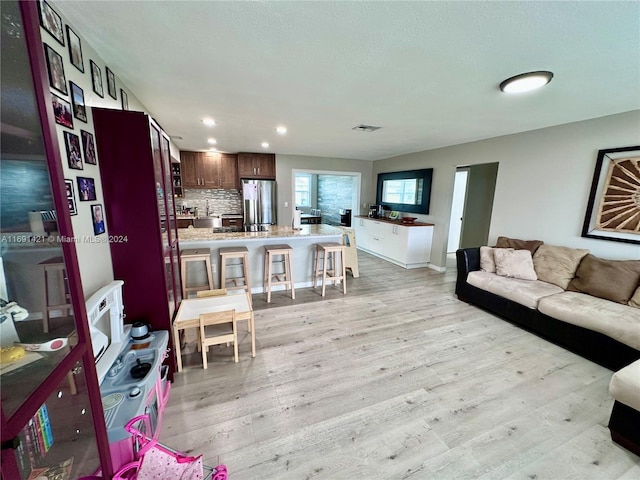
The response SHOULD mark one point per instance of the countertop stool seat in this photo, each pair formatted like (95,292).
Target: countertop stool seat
(195,255)
(241,282)
(55,278)
(326,254)
(285,277)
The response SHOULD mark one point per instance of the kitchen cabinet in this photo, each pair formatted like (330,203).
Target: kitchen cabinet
(176,179)
(52,416)
(209,170)
(135,167)
(257,165)
(406,245)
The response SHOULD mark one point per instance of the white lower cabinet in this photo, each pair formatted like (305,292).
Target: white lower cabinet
(407,246)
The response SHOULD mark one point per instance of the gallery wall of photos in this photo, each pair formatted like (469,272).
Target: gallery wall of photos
(78,80)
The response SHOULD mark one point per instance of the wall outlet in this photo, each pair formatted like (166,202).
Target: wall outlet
(213,267)
(286,204)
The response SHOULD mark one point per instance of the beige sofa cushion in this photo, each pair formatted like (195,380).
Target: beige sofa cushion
(557,265)
(614,280)
(635,300)
(524,292)
(487,259)
(619,322)
(531,245)
(514,263)
(625,385)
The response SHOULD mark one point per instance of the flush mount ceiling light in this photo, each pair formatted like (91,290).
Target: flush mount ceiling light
(526,82)
(212,141)
(281,130)
(265,145)
(209,122)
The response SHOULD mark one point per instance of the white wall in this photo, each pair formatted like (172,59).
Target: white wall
(543,183)
(286,163)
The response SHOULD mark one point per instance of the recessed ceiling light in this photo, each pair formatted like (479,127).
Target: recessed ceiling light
(526,82)
(265,145)
(209,122)
(212,141)
(281,130)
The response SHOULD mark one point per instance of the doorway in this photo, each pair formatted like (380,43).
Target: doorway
(473,192)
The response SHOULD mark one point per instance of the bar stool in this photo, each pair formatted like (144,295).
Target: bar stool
(54,270)
(231,283)
(328,252)
(283,278)
(195,255)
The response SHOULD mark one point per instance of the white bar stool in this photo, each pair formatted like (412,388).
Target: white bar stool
(232,283)
(326,253)
(282,278)
(195,255)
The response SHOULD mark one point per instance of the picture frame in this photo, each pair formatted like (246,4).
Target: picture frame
(74,155)
(55,69)
(88,147)
(77,100)
(86,189)
(75,49)
(97,218)
(96,78)
(71,200)
(62,111)
(51,21)
(124,100)
(612,212)
(111,84)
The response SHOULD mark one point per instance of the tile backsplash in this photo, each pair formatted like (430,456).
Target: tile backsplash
(220,201)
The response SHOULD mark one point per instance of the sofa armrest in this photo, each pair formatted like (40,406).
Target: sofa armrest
(467,260)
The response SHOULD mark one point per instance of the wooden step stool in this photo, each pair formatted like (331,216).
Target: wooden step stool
(283,278)
(325,253)
(195,255)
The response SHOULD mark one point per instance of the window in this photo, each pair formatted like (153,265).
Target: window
(303,190)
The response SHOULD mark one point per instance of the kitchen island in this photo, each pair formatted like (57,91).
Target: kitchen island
(302,241)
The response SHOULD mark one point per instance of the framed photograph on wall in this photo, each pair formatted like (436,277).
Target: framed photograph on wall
(74,157)
(96,79)
(75,49)
(88,147)
(97,217)
(71,200)
(62,111)
(111,83)
(55,68)
(51,21)
(613,211)
(125,99)
(77,100)
(86,189)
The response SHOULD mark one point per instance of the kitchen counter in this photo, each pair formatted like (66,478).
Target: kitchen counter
(302,241)
(396,222)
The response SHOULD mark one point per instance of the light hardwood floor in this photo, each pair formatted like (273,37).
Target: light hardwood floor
(396,380)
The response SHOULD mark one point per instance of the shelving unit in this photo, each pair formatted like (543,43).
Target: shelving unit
(177,180)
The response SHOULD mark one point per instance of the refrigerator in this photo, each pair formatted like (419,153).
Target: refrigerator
(259,198)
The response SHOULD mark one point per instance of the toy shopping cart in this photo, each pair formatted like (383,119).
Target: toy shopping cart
(155,461)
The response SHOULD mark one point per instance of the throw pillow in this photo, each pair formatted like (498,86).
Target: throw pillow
(531,245)
(487,261)
(635,300)
(514,263)
(557,265)
(614,280)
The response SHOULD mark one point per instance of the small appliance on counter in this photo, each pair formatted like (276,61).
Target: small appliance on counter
(345,217)
(373,210)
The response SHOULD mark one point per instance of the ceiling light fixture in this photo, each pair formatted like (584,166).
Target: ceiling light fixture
(212,141)
(281,130)
(209,122)
(526,82)
(265,145)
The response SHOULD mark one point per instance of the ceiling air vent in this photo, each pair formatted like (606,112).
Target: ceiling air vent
(365,128)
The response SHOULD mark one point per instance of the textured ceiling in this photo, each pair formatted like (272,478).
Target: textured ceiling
(426,72)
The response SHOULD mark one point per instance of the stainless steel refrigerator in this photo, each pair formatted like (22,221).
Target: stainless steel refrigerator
(259,204)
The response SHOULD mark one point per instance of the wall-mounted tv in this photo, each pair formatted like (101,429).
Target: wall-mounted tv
(407,191)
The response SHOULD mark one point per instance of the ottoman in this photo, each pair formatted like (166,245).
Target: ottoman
(624,423)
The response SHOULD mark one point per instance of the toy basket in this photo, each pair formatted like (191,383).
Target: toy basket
(155,461)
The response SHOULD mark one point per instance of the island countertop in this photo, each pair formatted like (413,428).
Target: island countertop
(274,232)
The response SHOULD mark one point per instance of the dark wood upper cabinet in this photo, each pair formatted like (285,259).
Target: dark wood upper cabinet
(257,165)
(209,170)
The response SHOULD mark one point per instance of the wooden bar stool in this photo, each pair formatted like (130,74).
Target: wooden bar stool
(282,278)
(325,253)
(54,274)
(232,283)
(195,255)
